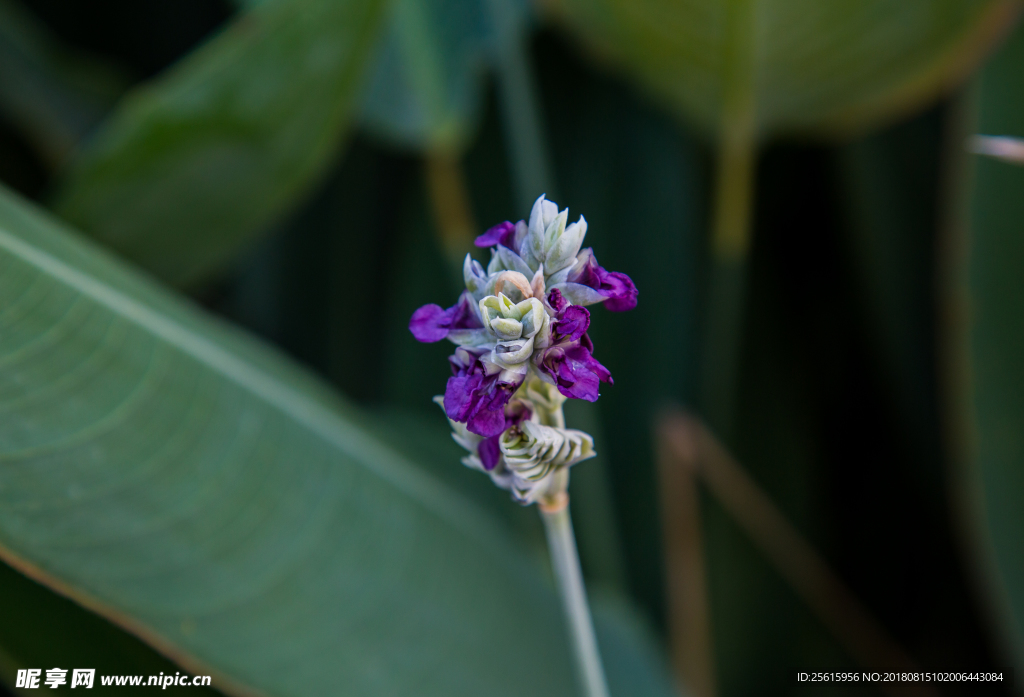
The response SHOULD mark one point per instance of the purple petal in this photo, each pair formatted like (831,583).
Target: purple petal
(617,287)
(488,418)
(574,370)
(572,323)
(489,449)
(556,301)
(459,396)
(489,452)
(501,233)
(430,323)
(475,398)
(464,313)
(586,270)
(620,291)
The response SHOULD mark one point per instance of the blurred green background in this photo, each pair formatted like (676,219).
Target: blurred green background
(827,277)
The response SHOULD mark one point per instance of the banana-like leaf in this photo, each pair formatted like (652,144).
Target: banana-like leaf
(190,166)
(996,335)
(790,64)
(194,487)
(425,89)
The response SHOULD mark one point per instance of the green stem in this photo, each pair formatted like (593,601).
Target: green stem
(566,562)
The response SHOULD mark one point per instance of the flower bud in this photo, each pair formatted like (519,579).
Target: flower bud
(543,215)
(562,250)
(474,275)
(506,329)
(549,241)
(532,451)
(510,353)
(510,321)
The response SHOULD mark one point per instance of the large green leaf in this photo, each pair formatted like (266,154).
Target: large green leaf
(792,64)
(195,488)
(425,83)
(191,165)
(425,89)
(996,287)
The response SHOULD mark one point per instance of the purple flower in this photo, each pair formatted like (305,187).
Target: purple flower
(431,323)
(505,234)
(489,450)
(617,288)
(477,392)
(556,301)
(502,234)
(571,324)
(569,363)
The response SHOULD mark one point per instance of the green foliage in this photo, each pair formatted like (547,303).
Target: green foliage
(55,97)
(996,287)
(194,487)
(425,88)
(194,164)
(794,64)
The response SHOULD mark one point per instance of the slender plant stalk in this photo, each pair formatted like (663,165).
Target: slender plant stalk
(533,174)
(566,562)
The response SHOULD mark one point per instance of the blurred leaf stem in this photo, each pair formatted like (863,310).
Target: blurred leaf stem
(730,237)
(449,198)
(520,109)
(424,64)
(691,445)
(689,613)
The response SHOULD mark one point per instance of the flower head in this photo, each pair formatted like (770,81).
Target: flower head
(522,348)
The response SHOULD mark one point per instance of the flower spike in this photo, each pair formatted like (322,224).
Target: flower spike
(523,349)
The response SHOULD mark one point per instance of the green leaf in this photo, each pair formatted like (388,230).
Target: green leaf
(426,86)
(51,94)
(790,64)
(195,163)
(996,335)
(195,488)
